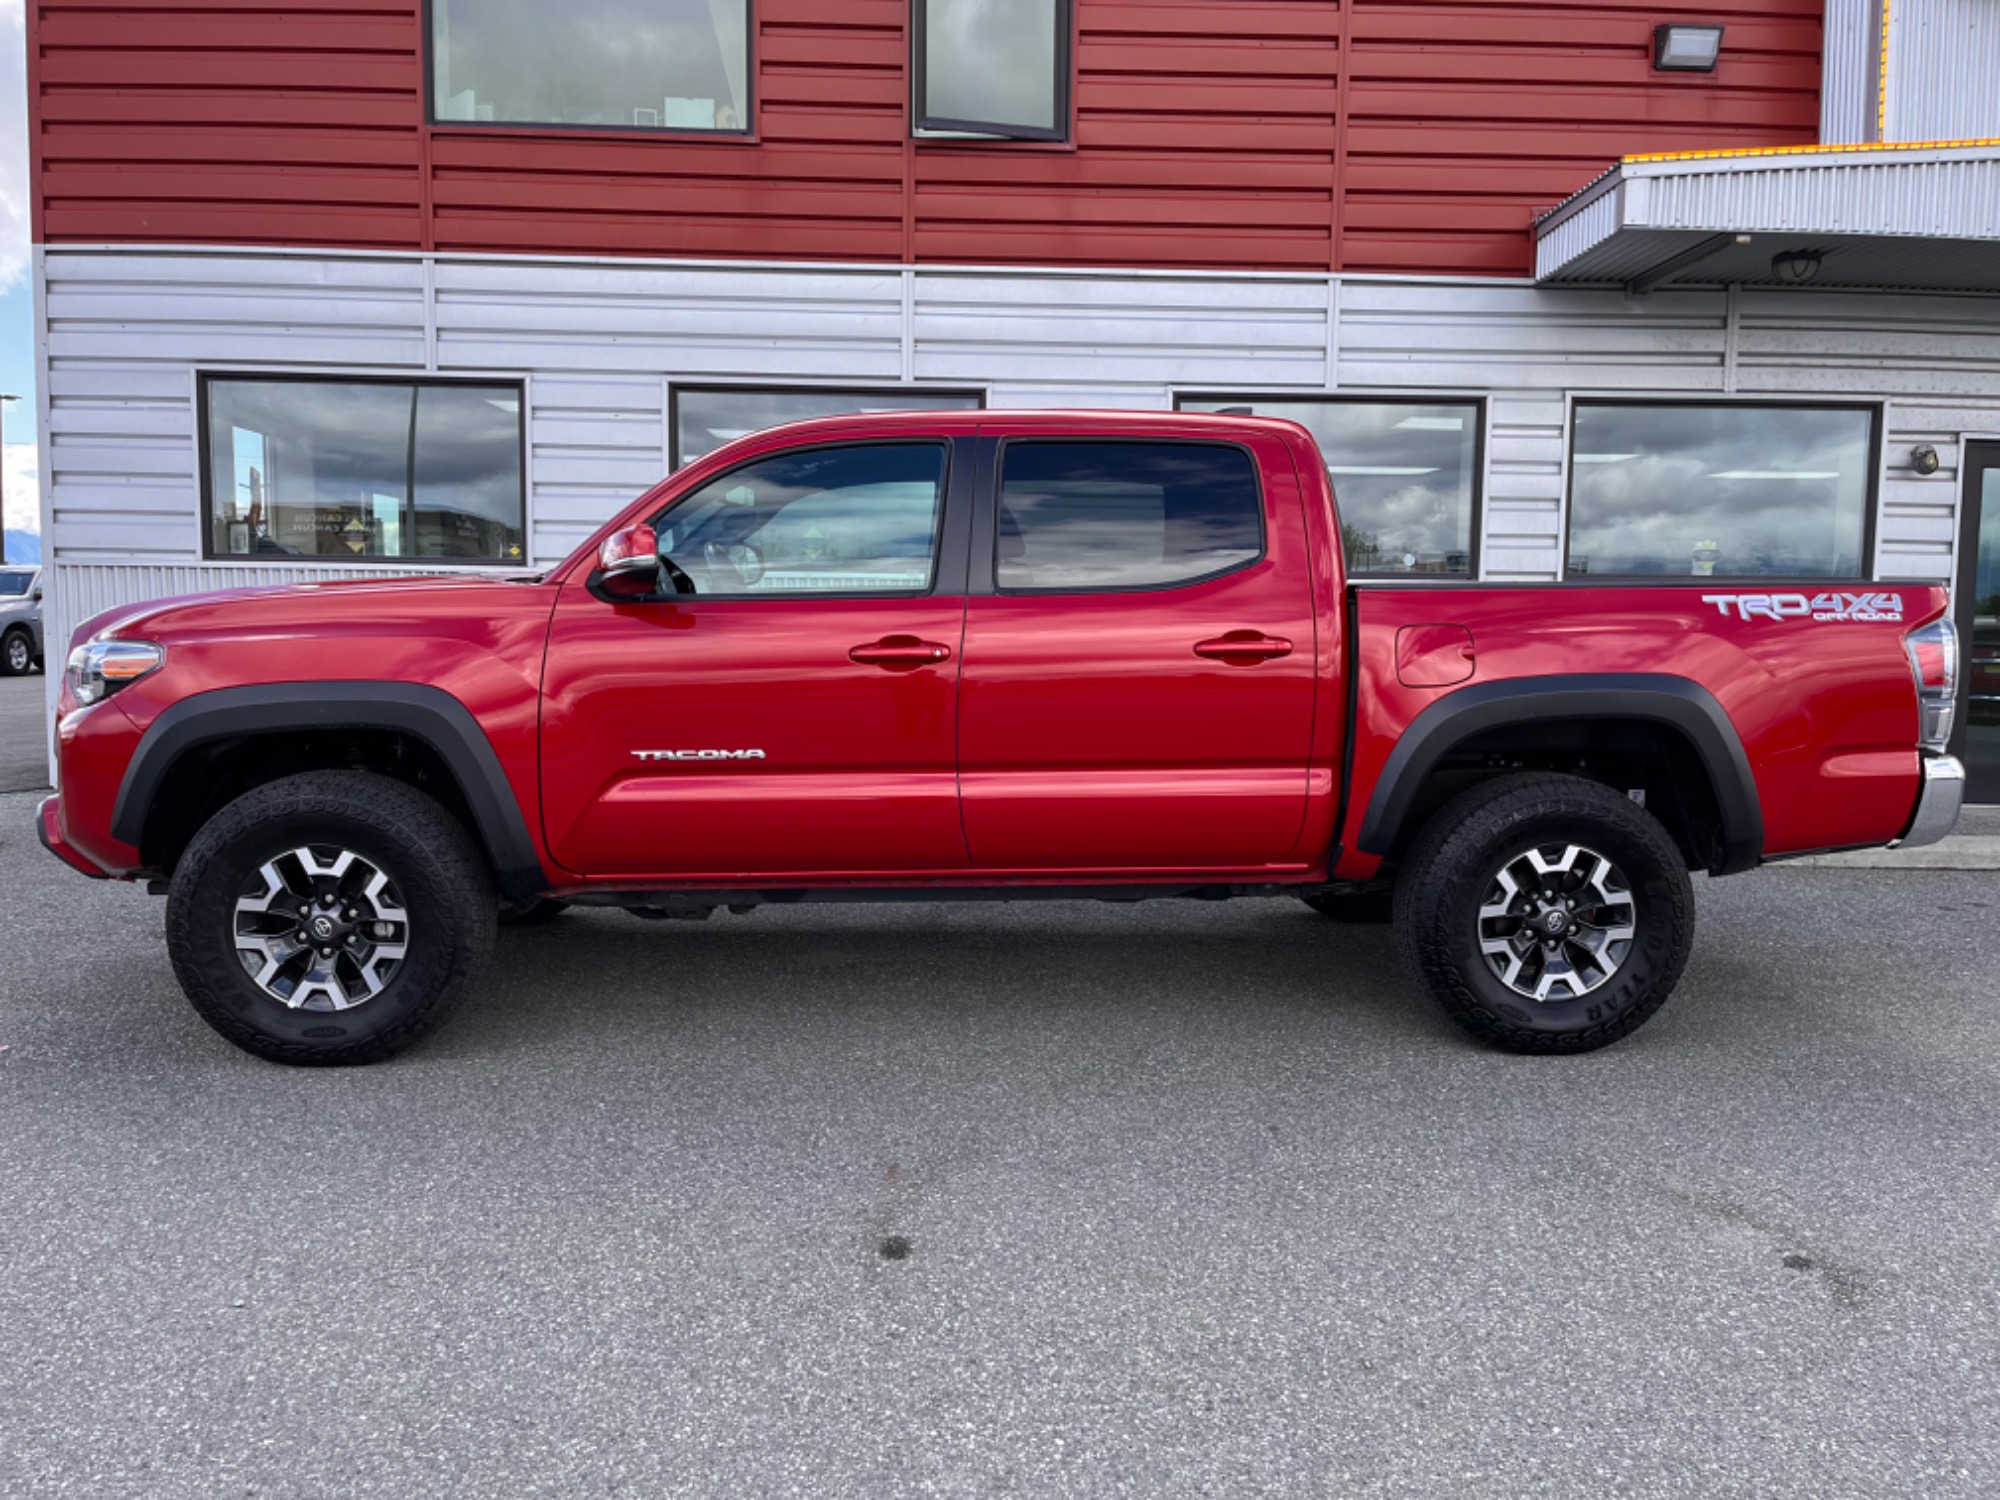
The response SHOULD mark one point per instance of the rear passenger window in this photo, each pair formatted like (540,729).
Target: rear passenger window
(1092,517)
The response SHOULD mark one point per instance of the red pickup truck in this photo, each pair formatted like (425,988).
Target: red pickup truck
(983,654)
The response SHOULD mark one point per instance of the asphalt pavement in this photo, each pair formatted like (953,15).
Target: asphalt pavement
(1065,1199)
(24,741)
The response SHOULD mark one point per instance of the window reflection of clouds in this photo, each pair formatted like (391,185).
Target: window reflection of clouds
(1719,491)
(1403,476)
(334,469)
(992,62)
(706,419)
(654,63)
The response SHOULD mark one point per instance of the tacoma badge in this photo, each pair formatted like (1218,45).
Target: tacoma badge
(699,754)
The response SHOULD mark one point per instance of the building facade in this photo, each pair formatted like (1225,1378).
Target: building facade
(1568,291)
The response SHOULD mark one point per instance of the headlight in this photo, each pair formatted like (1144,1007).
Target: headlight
(97,669)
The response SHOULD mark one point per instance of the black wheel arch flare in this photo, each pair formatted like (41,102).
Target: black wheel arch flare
(1654,697)
(425,713)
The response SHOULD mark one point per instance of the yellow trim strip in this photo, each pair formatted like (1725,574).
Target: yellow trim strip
(1882,83)
(1739,151)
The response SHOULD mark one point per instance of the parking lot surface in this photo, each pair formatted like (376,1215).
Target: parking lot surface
(24,743)
(1195,1200)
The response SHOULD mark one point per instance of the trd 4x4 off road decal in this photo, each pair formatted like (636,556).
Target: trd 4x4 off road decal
(699,754)
(1800,606)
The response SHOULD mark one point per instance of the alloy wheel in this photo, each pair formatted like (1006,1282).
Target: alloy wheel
(1557,922)
(321,928)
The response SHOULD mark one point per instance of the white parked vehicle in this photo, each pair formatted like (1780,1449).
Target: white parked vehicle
(20,620)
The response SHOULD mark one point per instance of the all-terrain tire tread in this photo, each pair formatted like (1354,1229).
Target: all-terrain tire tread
(1469,821)
(435,841)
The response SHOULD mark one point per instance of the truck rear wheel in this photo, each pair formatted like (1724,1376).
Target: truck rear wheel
(330,917)
(1545,913)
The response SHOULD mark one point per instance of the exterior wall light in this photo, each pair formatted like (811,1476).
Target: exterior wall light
(1796,267)
(1924,459)
(1686,49)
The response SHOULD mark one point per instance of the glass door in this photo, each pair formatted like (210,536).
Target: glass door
(1978,609)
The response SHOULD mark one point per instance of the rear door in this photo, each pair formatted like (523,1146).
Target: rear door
(1138,686)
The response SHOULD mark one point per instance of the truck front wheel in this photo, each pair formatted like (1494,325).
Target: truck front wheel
(329,917)
(1545,913)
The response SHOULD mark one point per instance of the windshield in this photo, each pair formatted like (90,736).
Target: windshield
(14,583)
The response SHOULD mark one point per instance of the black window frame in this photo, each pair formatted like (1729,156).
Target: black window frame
(1870,501)
(923,123)
(747,133)
(986,525)
(1476,523)
(204,476)
(676,460)
(948,550)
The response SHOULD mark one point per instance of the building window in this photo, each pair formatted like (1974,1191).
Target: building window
(1083,517)
(706,417)
(1405,477)
(1720,491)
(851,519)
(363,469)
(606,64)
(993,67)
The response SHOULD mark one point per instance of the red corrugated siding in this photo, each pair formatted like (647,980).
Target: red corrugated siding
(1272,134)
(1463,119)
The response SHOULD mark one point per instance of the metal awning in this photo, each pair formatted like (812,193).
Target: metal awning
(1882,217)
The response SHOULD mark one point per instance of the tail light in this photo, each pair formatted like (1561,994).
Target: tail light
(1934,663)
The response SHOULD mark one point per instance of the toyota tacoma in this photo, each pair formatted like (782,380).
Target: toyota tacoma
(983,655)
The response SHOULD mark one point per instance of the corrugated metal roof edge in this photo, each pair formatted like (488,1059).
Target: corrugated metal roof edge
(1683,163)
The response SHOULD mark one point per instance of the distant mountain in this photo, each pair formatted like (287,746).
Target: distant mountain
(24,547)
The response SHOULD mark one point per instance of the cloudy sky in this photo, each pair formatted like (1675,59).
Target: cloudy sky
(17,361)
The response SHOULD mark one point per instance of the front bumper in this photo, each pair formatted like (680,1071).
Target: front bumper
(1937,804)
(48,824)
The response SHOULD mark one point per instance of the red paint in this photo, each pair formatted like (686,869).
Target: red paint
(1434,655)
(979,738)
(1095,734)
(858,770)
(1265,134)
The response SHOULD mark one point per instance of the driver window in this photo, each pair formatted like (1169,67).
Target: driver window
(860,519)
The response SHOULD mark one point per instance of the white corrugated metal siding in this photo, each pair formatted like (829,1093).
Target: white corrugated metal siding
(1944,70)
(1848,72)
(599,346)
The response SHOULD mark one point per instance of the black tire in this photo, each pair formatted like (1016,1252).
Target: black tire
(1455,865)
(1358,908)
(536,912)
(17,653)
(440,873)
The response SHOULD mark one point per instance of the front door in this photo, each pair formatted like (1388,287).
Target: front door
(1977,598)
(1139,657)
(785,704)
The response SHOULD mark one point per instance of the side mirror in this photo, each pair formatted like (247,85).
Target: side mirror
(36,596)
(628,564)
